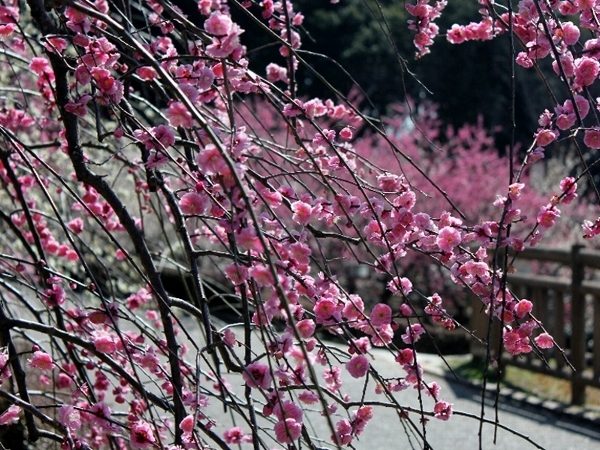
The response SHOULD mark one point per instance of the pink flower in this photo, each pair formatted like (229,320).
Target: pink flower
(287,431)
(272,198)
(193,204)
(146,73)
(514,190)
(10,416)
(237,274)
(236,435)
(582,105)
(302,212)
(456,34)
(544,340)
(570,33)
(276,73)
(40,66)
(218,24)
(306,328)
(162,134)
(591,138)
(413,333)
(406,310)
(523,308)
(448,238)
(76,225)
(568,186)
(288,410)
(210,161)
(55,296)
(346,133)
(354,307)
(405,356)
(547,216)
(361,417)
(308,397)
(229,337)
(400,285)
(100,415)
(586,71)
(41,360)
(325,309)
(442,410)
(69,417)
(4,367)
(104,80)
(142,435)
(545,137)
(79,108)
(206,77)
(343,432)
(104,342)
(187,424)
(536,155)
(178,115)
(257,376)
(591,229)
(358,366)
(381,315)
(261,275)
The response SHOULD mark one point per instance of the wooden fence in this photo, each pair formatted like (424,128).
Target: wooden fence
(568,304)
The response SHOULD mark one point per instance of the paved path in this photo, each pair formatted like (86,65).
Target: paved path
(547,431)
(385,431)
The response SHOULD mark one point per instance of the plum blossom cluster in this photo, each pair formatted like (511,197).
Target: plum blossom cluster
(423,23)
(546,30)
(141,142)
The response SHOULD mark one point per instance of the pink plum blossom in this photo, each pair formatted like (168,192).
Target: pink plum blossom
(381,314)
(287,431)
(257,376)
(76,225)
(413,333)
(303,212)
(448,238)
(544,340)
(545,137)
(523,308)
(308,397)
(547,216)
(343,432)
(142,435)
(104,342)
(442,410)
(10,416)
(69,417)
(4,365)
(193,204)
(41,360)
(236,435)
(211,161)
(591,138)
(237,274)
(358,366)
(179,115)
(306,328)
(218,24)
(187,424)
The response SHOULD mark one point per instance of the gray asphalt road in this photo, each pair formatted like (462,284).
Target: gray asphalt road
(525,427)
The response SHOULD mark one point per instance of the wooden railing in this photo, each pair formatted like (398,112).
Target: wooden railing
(568,305)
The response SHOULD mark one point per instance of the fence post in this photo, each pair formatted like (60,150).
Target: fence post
(479,324)
(578,338)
